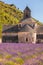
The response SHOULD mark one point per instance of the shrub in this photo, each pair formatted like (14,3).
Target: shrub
(8,56)
(19,60)
(10,63)
(1,55)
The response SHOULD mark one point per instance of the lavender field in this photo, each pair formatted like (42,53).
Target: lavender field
(21,54)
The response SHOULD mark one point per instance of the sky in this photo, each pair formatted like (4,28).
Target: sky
(36,7)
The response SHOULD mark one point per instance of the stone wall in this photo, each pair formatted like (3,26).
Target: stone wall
(25,37)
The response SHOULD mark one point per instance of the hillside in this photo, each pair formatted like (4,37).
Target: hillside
(9,14)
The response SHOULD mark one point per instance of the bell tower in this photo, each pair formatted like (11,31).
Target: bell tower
(27,12)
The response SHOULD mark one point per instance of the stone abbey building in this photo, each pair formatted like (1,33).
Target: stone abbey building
(27,31)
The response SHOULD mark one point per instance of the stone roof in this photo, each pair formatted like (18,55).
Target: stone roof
(11,28)
(15,28)
(5,27)
(29,21)
(27,25)
(26,28)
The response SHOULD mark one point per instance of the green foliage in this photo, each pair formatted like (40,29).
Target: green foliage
(9,14)
(10,63)
(0,27)
(8,56)
(0,30)
(1,56)
(19,60)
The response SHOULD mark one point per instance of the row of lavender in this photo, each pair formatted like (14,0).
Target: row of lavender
(21,54)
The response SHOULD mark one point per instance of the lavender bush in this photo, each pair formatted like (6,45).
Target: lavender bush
(21,54)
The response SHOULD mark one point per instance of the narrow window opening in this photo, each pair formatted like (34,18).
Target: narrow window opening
(26,39)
